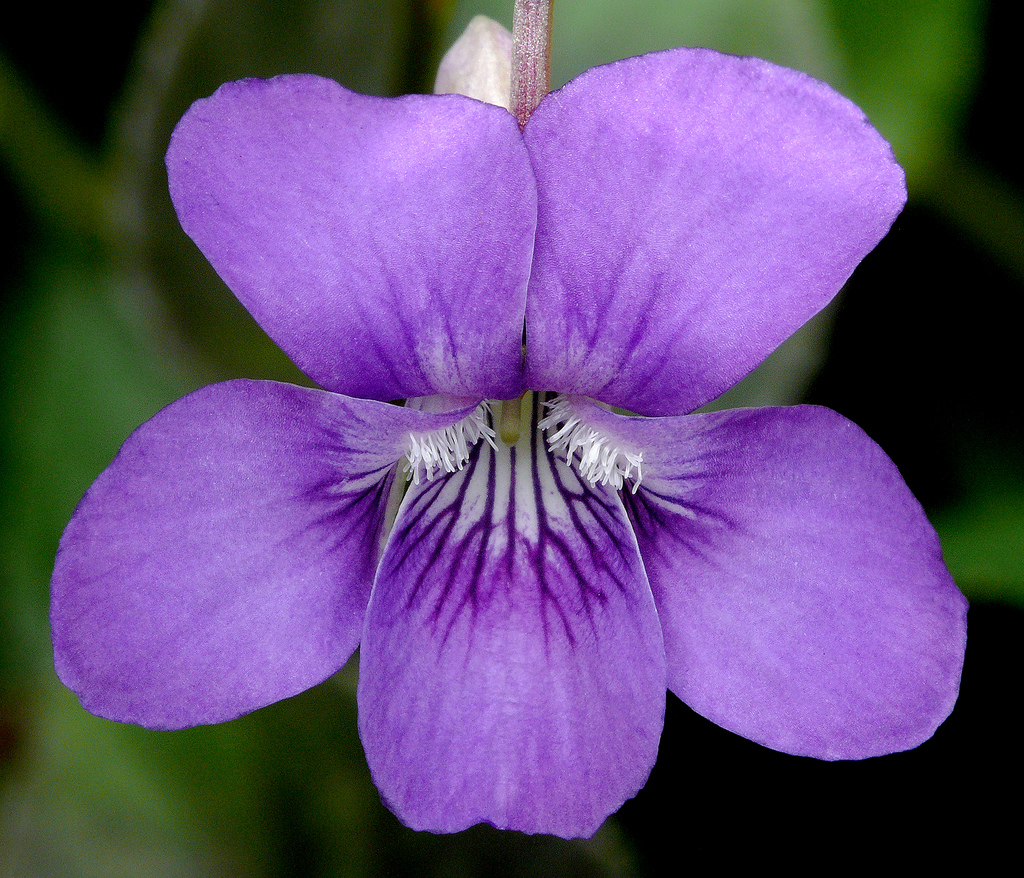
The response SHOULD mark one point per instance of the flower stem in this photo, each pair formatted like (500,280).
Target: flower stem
(531,56)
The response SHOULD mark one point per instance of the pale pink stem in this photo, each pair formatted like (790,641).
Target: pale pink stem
(531,56)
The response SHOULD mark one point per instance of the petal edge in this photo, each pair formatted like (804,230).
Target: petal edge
(801,589)
(224,559)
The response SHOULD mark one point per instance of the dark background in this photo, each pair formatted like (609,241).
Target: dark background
(102,324)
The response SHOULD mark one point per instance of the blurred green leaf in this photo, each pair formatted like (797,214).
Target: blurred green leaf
(60,183)
(911,66)
(983,535)
(592,32)
(83,366)
(84,804)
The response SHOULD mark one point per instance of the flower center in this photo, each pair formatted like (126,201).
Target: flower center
(601,458)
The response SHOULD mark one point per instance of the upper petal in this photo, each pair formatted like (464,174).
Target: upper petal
(694,209)
(223,561)
(384,244)
(512,668)
(801,590)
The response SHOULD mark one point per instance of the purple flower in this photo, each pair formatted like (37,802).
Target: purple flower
(660,226)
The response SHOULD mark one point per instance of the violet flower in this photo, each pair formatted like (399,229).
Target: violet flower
(659,227)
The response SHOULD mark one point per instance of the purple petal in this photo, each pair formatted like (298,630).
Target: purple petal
(512,667)
(224,559)
(801,589)
(694,209)
(384,244)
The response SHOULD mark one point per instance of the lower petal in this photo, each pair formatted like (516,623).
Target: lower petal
(224,559)
(802,592)
(512,667)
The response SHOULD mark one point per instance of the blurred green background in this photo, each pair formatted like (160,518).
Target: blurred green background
(109,313)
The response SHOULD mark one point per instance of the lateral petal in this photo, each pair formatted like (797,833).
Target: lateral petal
(383,243)
(694,209)
(512,668)
(802,592)
(224,559)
